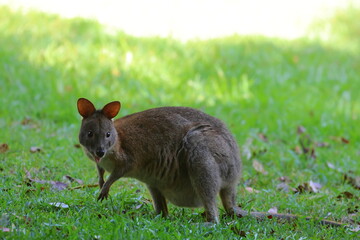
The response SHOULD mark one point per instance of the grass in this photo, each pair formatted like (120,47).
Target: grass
(259,86)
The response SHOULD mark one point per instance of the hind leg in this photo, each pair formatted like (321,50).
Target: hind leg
(206,185)
(228,198)
(205,178)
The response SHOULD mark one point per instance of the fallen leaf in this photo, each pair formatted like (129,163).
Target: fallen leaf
(284,179)
(340,139)
(58,185)
(310,187)
(322,144)
(59,205)
(35,149)
(238,231)
(259,167)
(251,190)
(273,210)
(345,195)
(4,147)
(352,180)
(26,121)
(330,165)
(29,123)
(298,150)
(315,187)
(263,137)
(300,129)
(4,229)
(138,206)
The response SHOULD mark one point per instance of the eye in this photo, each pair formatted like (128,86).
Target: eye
(90,134)
(108,134)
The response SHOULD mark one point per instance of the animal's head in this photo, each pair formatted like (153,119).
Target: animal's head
(97,134)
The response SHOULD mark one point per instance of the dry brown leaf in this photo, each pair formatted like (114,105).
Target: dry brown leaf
(352,180)
(259,167)
(35,149)
(29,123)
(238,231)
(345,195)
(4,147)
(284,179)
(340,139)
(263,137)
(298,150)
(310,187)
(300,129)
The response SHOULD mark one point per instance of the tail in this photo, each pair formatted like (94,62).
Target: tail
(287,217)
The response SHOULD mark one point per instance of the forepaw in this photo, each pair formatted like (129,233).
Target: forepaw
(103,195)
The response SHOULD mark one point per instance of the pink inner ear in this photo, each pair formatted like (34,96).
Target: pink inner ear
(85,107)
(111,109)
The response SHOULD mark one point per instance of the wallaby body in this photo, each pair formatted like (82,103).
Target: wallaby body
(183,155)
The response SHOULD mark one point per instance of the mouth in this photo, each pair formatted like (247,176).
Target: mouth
(97,159)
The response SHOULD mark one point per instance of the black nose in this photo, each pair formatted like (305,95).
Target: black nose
(100,152)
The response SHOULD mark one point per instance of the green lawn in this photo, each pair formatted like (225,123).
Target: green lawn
(263,88)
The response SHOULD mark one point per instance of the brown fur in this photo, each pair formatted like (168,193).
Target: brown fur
(182,154)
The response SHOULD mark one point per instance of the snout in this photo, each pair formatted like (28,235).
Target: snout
(100,152)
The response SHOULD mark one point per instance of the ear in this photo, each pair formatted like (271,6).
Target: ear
(111,109)
(85,107)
